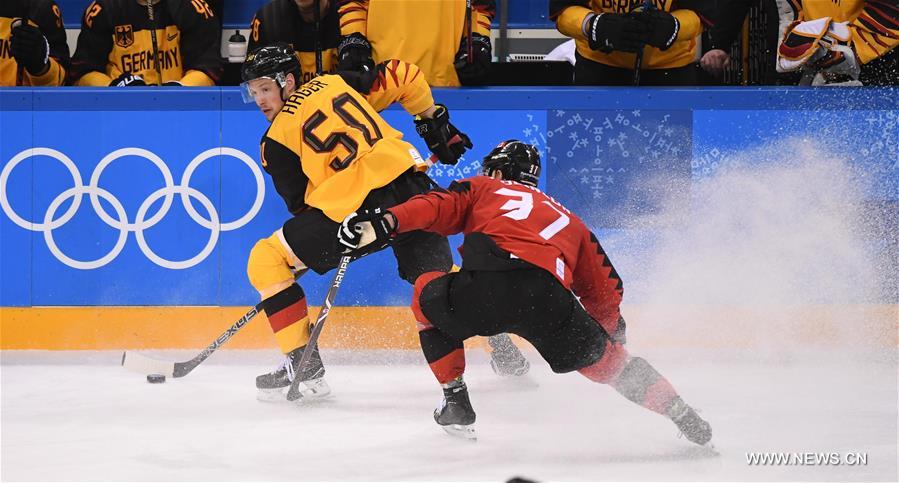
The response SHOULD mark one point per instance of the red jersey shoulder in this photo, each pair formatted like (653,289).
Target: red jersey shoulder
(521,203)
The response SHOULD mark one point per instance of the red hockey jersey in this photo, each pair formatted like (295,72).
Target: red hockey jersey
(524,223)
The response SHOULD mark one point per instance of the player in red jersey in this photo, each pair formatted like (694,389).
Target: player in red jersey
(529,267)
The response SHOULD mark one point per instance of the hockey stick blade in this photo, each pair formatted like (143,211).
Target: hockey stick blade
(146,365)
(294,392)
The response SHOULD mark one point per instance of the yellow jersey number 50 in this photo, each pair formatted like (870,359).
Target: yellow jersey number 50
(369,129)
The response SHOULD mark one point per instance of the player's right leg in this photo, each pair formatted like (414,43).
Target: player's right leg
(271,269)
(608,361)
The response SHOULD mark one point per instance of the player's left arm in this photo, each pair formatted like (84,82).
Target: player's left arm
(200,43)
(399,81)
(876,29)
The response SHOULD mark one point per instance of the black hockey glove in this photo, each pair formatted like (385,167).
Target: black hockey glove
(472,71)
(353,51)
(607,32)
(661,27)
(127,80)
(443,139)
(367,231)
(30,48)
(362,79)
(354,62)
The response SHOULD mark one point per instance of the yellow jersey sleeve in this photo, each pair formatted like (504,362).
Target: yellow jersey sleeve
(876,29)
(402,82)
(353,17)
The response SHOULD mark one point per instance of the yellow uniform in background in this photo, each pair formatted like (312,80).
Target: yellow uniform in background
(45,15)
(116,38)
(569,16)
(427,33)
(874,24)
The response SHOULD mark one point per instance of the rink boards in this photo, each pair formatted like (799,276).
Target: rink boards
(128,214)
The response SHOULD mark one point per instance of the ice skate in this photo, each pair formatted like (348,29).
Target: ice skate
(505,359)
(455,414)
(273,386)
(693,427)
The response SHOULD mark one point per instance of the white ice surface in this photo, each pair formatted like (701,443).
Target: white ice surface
(79,416)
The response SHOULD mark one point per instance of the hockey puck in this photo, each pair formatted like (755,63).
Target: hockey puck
(155,378)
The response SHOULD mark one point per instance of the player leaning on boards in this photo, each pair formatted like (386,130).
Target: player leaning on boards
(33,49)
(522,250)
(148,42)
(330,153)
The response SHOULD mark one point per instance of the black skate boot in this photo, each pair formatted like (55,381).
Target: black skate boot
(505,359)
(693,427)
(455,413)
(273,385)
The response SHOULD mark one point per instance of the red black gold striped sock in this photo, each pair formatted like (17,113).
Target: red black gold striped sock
(289,317)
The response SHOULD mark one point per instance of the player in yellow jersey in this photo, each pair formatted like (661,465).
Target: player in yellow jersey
(448,39)
(33,49)
(147,42)
(330,153)
(609,34)
(852,41)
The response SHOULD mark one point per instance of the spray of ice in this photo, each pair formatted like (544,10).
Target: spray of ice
(772,238)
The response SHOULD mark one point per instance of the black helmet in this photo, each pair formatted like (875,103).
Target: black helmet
(517,161)
(273,61)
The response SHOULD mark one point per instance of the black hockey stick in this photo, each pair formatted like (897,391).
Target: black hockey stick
(294,392)
(638,62)
(145,365)
(470,53)
(319,70)
(153,40)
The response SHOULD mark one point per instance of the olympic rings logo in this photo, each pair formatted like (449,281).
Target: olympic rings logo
(141,221)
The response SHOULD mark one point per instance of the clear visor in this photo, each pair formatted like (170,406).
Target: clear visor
(249,92)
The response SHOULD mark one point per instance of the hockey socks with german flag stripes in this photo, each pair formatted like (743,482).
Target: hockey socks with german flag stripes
(289,317)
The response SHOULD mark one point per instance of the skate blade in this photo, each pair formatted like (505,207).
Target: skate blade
(462,431)
(278,395)
(309,393)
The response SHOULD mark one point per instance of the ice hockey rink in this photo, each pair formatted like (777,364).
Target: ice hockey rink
(773,331)
(79,416)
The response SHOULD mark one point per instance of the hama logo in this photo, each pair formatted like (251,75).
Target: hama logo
(124,36)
